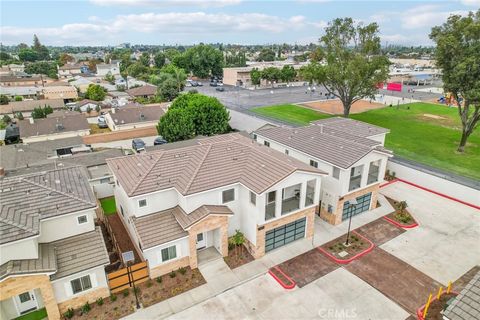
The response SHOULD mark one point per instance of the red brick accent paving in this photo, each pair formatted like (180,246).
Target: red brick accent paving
(379,231)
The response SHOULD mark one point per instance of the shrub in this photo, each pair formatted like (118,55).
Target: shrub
(182,270)
(126,292)
(149,283)
(172,274)
(99,301)
(86,307)
(69,313)
(113,297)
(159,279)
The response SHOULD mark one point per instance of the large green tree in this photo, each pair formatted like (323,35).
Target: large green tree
(206,115)
(95,92)
(27,54)
(266,54)
(167,88)
(458,55)
(42,51)
(255,76)
(271,74)
(42,67)
(202,60)
(159,59)
(288,73)
(352,62)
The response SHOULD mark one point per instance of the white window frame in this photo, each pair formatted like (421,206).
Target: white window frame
(177,254)
(266,143)
(314,163)
(335,169)
(139,201)
(90,278)
(81,216)
(254,197)
(223,200)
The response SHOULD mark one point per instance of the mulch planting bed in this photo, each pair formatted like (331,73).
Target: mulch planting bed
(238,256)
(402,217)
(121,236)
(437,306)
(338,249)
(380,231)
(150,292)
(308,267)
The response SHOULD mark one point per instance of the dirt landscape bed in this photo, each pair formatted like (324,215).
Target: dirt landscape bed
(335,106)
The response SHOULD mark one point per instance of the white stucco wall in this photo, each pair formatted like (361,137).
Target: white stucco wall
(65,226)
(63,289)
(154,256)
(22,249)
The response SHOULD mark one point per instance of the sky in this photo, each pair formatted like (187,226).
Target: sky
(158,22)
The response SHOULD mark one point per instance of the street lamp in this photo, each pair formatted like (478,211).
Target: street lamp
(351,205)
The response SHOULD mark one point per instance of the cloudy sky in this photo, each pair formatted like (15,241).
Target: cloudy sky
(110,22)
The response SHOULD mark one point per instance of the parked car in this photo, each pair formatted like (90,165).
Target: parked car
(194,83)
(199,84)
(102,125)
(138,145)
(159,140)
(213,83)
(221,89)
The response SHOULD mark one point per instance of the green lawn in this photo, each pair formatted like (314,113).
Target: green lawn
(35,315)
(412,134)
(290,113)
(108,206)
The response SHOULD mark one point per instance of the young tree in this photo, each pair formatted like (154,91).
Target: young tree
(89,109)
(271,74)
(110,78)
(255,76)
(98,109)
(167,88)
(3,99)
(95,92)
(353,62)
(457,54)
(19,116)
(65,58)
(6,119)
(38,113)
(18,98)
(288,73)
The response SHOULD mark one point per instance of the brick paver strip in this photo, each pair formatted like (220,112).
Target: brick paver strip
(396,279)
(308,267)
(379,231)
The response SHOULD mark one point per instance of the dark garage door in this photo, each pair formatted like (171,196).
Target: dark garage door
(363,204)
(285,234)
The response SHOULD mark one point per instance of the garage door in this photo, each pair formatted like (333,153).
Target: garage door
(285,234)
(363,204)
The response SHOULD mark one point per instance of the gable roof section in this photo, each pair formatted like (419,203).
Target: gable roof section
(51,125)
(137,114)
(46,263)
(329,144)
(29,105)
(212,163)
(25,200)
(146,90)
(188,220)
(351,126)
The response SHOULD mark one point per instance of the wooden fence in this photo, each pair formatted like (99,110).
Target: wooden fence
(125,278)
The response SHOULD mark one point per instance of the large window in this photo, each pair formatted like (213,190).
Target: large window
(373,172)
(355,177)
(291,198)
(270,205)
(81,284)
(363,204)
(169,253)
(265,142)
(228,195)
(310,196)
(82,219)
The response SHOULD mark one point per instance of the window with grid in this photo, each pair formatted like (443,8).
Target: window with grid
(169,253)
(228,195)
(314,163)
(82,219)
(81,284)
(253,198)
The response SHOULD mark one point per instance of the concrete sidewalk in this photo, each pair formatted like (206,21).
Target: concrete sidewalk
(220,278)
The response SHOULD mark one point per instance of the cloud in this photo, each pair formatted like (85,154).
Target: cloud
(475,3)
(166,3)
(426,16)
(194,24)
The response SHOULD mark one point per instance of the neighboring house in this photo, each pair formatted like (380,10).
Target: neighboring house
(70,70)
(27,106)
(131,117)
(105,68)
(85,104)
(26,81)
(241,76)
(24,92)
(81,83)
(67,93)
(145,91)
(177,201)
(350,151)
(33,130)
(51,254)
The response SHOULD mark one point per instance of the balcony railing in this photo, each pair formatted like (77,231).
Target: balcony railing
(372,176)
(309,198)
(355,183)
(290,204)
(270,211)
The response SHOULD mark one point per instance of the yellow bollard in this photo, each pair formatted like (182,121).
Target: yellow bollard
(427,305)
(449,288)
(439,293)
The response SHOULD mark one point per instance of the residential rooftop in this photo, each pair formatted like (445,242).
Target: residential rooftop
(53,125)
(29,105)
(146,90)
(351,126)
(211,163)
(27,199)
(137,114)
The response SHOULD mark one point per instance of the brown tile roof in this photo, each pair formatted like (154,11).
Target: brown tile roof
(159,228)
(25,200)
(146,90)
(79,253)
(45,263)
(214,162)
(52,125)
(137,114)
(29,105)
(351,126)
(338,147)
(187,220)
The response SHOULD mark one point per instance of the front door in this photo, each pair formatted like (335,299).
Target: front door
(26,302)
(201,241)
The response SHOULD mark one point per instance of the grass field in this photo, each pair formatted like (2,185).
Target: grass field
(108,206)
(35,315)
(424,132)
(290,113)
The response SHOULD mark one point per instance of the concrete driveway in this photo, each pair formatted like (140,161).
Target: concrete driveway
(445,245)
(338,295)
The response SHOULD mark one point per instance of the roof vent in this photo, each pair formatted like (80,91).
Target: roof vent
(59,127)
(123,121)
(139,164)
(142,117)
(57,181)
(116,120)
